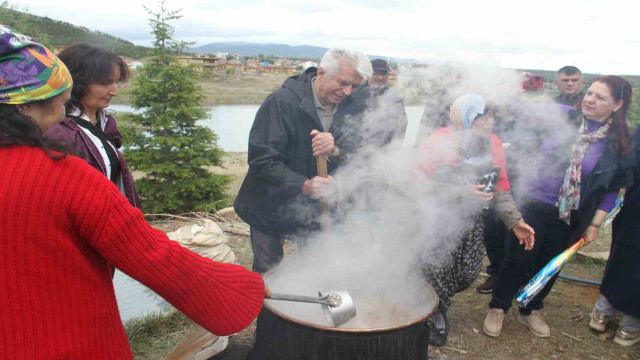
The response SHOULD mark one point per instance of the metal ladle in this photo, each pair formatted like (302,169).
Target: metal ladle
(338,307)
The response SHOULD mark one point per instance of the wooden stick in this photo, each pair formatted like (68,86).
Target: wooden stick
(573,337)
(322,171)
(454,349)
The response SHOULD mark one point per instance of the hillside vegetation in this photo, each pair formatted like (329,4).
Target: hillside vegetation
(58,33)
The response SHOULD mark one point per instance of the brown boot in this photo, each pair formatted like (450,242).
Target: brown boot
(487,286)
(535,322)
(493,322)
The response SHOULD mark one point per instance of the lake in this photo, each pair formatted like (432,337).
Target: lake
(232,123)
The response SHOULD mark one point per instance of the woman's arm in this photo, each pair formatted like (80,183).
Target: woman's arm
(508,212)
(592,232)
(222,298)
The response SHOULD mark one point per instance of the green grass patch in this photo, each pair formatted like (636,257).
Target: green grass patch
(155,335)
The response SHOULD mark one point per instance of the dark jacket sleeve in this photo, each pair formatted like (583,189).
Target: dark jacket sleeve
(268,141)
(623,177)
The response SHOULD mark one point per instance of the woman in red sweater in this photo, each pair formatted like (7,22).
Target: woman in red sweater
(62,223)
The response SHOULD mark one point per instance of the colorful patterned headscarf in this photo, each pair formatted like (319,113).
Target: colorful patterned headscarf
(28,71)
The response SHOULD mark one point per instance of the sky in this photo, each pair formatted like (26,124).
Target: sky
(595,35)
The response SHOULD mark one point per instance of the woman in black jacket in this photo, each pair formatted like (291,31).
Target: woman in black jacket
(621,284)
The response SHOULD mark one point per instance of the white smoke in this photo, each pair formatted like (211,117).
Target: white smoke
(391,219)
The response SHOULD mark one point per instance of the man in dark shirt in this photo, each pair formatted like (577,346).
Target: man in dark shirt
(378,115)
(294,125)
(569,83)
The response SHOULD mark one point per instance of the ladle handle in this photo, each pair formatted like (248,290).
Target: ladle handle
(300,298)
(321,166)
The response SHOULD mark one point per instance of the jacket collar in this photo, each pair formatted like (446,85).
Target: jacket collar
(300,85)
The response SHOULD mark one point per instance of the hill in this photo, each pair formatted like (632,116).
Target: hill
(58,33)
(254,49)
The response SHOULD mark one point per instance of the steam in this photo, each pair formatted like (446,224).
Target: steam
(391,218)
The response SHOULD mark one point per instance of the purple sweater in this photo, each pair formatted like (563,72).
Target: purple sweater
(549,175)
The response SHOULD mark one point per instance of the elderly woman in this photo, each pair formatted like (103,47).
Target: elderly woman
(88,127)
(470,156)
(63,223)
(576,180)
(621,283)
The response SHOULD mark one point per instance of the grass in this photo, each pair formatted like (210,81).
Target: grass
(155,335)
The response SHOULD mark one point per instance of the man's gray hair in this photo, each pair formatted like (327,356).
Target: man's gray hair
(331,62)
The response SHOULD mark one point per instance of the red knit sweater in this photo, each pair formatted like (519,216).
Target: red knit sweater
(61,224)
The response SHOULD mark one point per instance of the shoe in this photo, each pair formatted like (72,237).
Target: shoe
(598,320)
(625,337)
(438,326)
(487,286)
(535,322)
(493,322)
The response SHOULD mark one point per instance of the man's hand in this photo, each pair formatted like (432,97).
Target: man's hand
(525,234)
(476,190)
(322,143)
(319,187)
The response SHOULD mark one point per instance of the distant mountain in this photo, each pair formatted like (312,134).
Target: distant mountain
(253,49)
(58,33)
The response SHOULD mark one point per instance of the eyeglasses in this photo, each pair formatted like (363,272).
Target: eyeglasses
(380,74)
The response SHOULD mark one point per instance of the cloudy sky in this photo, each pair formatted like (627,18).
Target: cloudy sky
(597,36)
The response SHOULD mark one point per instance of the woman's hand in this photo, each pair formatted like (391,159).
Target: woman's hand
(591,234)
(525,234)
(267,292)
(476,190)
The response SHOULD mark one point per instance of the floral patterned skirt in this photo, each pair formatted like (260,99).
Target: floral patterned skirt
(455,272)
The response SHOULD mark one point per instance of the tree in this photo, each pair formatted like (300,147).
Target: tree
(168,145)
(20,19)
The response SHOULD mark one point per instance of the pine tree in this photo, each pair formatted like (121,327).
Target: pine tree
(168,145)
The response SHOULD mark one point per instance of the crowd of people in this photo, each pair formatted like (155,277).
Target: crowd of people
(66,226)
(575,173)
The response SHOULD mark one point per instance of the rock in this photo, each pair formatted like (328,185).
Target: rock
(606,336)
(227,213)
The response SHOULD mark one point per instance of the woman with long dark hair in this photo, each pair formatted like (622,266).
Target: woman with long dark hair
(577,178)
(88,128)
(62,224)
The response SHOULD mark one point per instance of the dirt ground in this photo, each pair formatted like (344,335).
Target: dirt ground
(229,89)
(567,313)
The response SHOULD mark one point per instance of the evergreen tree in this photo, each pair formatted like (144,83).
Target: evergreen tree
(167,145)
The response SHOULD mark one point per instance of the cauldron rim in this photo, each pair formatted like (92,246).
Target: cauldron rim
(347,330)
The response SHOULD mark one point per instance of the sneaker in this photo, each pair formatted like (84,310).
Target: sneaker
(438,326)
(625,337)
(487,286)
(535,322)
(598,320)
(493,322)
